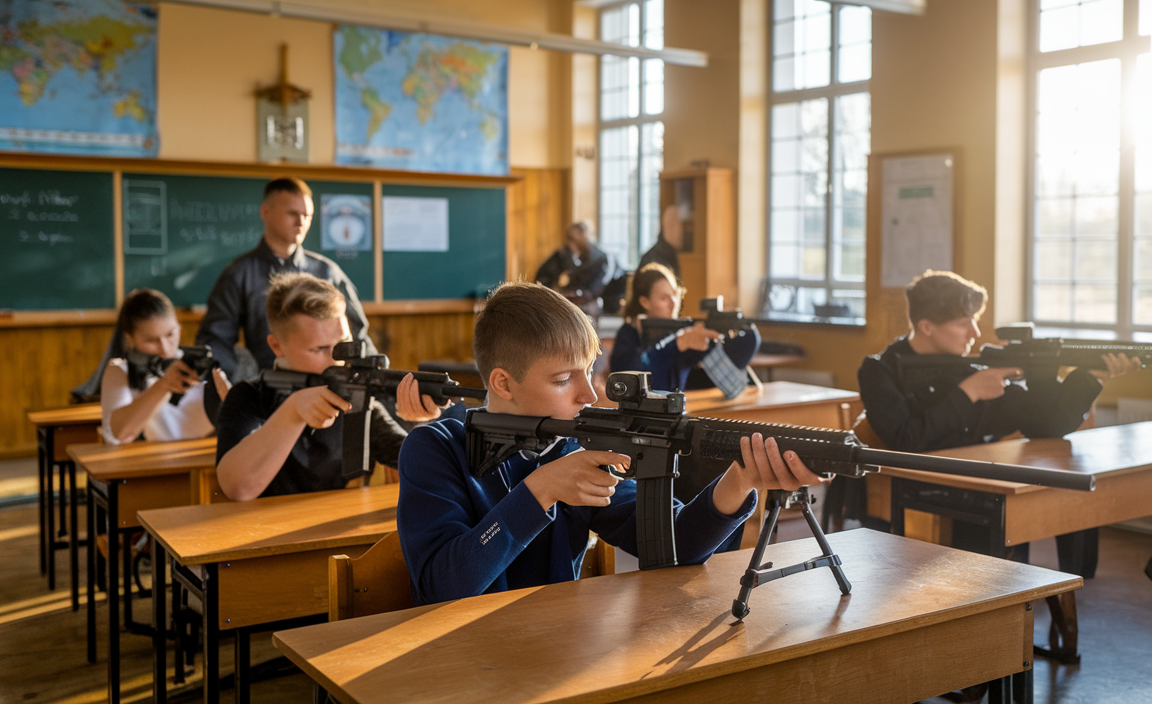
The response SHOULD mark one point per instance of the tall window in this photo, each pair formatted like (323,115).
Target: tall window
(631,131)
(820,140)
(1091,185)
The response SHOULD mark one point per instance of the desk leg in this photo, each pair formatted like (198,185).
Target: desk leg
(74,536)
(43,435)
(1013,689)
(51,521)
(91,606)
(127,568)
(63,504)
(179,603)
(159,625)
(211,610)
(113,596)
(243,677)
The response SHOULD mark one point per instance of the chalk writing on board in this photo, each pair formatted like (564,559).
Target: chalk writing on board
(29,207)
(145,219)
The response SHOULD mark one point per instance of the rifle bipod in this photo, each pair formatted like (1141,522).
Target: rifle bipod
(758,573)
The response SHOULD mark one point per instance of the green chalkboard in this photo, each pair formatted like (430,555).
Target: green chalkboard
(342,230)
(56,240)
(473,261)
(181,231)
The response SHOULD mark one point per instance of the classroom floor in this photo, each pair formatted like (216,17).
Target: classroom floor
(42,652)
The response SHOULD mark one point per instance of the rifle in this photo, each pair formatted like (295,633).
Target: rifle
(361,378)
(140,366)
(653,330)
(1037,357)
(651,428)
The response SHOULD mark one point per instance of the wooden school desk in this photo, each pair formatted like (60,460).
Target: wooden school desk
(1120,457)
(922,619)
(788,402)
(55,429)
(123,479)
(257,563)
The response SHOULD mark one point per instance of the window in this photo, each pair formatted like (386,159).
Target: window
(820,140)
(631,131)
(1091,221)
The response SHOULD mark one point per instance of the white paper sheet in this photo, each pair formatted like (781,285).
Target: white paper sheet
(916,216)
(415,224)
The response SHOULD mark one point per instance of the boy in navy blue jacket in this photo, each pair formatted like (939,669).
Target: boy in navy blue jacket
(527,523)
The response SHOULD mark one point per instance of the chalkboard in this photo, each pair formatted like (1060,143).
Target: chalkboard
(351,245)
(56,240)
(473,262)
(181,231)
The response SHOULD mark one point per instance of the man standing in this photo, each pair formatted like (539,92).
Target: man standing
(237,300)
(668,244)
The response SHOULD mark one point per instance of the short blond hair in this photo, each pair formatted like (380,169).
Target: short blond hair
(525,322)
(297,293)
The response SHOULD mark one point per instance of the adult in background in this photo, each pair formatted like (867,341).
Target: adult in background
(581,271)
(668,243)
(237,301)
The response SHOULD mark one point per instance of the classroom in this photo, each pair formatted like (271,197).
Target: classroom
(857,293)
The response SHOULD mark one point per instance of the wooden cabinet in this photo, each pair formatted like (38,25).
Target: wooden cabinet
(706,200)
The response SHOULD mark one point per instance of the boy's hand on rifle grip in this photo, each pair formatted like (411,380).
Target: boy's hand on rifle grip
(318,406)
(178,378)
(413,406)
(1117,364)
(577,479)
(220,381)
(988,384)
(696,337)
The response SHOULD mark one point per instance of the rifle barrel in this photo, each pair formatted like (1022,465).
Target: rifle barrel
(1057,478)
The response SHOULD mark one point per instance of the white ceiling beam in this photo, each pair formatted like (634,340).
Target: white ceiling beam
(451,28)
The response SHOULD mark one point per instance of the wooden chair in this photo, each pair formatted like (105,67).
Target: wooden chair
(373,583)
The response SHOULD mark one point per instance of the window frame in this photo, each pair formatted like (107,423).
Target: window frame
(1126,49)
(635,247)
(835,89)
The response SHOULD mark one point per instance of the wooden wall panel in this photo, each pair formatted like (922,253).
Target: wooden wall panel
(539,209)
(411,339)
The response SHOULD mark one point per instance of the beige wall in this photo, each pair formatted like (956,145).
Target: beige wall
(211,60)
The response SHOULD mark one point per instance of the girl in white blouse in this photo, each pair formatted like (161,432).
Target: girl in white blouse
(135,402)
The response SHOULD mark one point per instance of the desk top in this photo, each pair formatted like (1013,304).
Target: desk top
(143,459)
(607,638)
(79,414)
(275,525)
(785,393)
(1113,451)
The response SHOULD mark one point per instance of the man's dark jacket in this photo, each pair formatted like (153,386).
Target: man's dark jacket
(237,303)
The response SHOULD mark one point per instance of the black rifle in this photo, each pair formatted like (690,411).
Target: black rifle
(1036,357)
(140,366)
(653,330)
(361,378)
(651,428)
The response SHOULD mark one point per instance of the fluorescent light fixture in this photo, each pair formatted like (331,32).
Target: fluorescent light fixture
(462,29)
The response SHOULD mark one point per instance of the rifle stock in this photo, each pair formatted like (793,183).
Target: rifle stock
(198,357)
(651,428)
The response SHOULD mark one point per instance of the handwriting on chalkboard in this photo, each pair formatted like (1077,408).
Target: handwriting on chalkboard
(43,206)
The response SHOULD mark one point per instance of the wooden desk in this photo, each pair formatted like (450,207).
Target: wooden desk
(792,403)
(123,479)
(921,620)
(1120,458)
(258,563)
(56,428)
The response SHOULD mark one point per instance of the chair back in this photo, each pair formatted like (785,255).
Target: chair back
(373,583)
(864,431)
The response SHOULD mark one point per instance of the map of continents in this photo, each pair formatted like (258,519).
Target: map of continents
(420,102)
(78,77)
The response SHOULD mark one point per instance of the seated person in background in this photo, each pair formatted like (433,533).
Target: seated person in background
(270,448)
(580,270)
(526,523)
(666,251)
(133,402)
(972,408)
(654,293)
(237,299)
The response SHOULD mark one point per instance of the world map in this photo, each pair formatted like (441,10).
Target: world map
(78,77)
(419,102)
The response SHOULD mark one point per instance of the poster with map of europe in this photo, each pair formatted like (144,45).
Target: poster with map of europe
(78,77)
(419,102)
